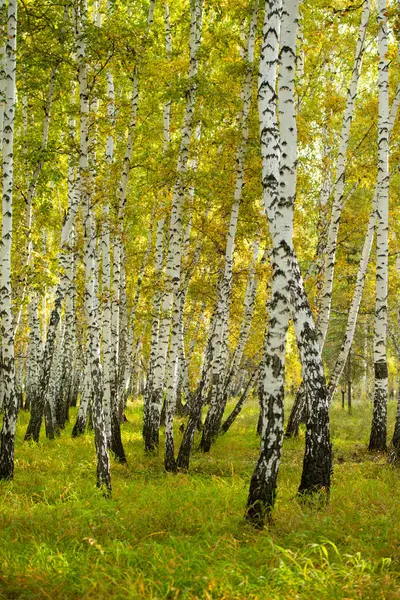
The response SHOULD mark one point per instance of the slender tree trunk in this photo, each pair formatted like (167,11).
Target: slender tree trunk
(34,352)
(240,403)
(32,191)
(197,403)
(298,409)
(262,489)
(10,400)
(33,430)
(361,273)
(248,310)
(85,402)
(327,252)
(173,266)
(93,330)
(349,390)
(395,452)
(337,206)
(151,416)
(317,463)
(379,420)
(220,343)
(279,190)
(106,272)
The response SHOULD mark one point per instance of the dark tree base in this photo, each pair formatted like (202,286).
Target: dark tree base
(151,439)
(317,470)
(79,427)
(170,464)
(394,457)
(35,421)
(6,458)
(186,443)
(260,501)
(206,440)
(6,471)
(212,424)
(116,445)
(377,443)
(33,432)
(104,487)
(48,421)
(377,440)
(151,422)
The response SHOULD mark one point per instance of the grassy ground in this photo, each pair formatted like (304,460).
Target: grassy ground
(183,536)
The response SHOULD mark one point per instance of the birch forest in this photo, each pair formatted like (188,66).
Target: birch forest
(199,299)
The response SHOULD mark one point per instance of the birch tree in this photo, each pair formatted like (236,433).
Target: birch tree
(170,322)
(173,265)
(93,332)
(279,153)
(339,185)
(378,430)
(10,400)
(215,412)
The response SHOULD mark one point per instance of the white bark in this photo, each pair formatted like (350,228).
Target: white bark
(32,191)
(248,310)
(106,272)
(173,266)
(263,482)
(93,331)
(362,270)
(279,190)
(220,342)
(3,100)
(378,431)
(158,353)
(340,179)
(10,402)
(34,351)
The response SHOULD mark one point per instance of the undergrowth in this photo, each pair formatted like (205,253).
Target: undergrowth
(183,536)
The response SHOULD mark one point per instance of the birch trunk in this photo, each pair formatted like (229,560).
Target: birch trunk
(66,391)
(33,430)
(169,309)
(379,420)
(85,402)
(248,310)
(3,97)
(240,403)
(298,409)
(34,351)
(128,369)
(116,441)
(151,409)
(151,416)
(106,271)
(173,266)
(340,179)
(220,343)
(262,490)
(32,191)
(279,191)
(93,330)
(10,400)
(197,402)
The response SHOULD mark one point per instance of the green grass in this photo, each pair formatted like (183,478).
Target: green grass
(184,536)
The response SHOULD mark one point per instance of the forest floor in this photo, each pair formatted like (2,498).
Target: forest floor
(183,536)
